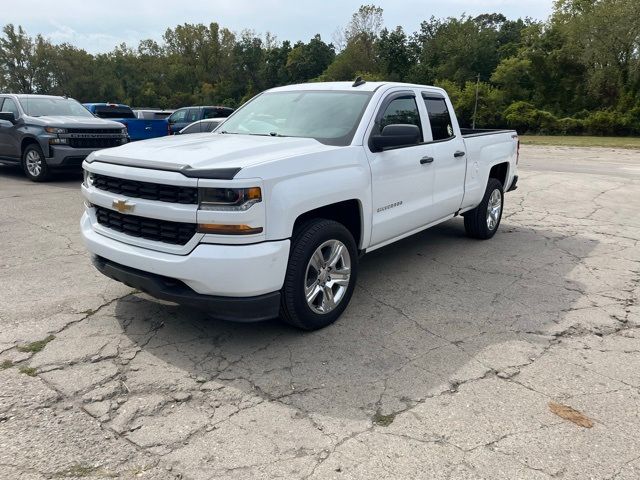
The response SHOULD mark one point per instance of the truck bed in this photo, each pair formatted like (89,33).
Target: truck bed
(477,132)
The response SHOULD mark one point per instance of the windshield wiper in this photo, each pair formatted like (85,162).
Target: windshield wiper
(271,134)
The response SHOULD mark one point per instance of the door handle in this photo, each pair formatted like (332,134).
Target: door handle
(459,153)
(425,160)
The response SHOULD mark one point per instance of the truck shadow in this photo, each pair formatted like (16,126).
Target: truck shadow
(59,178)
(430,312)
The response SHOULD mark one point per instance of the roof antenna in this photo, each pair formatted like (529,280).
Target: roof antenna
(359,81)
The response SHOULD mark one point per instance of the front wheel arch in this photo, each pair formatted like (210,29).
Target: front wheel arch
(295,308)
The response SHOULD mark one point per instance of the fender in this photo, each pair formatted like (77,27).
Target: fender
(344,176)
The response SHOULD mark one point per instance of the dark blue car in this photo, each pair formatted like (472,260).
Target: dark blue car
(186,116)
(138,128)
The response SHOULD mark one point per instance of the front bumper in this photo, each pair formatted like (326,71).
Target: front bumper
(236,309)
(218,270)
(63,156)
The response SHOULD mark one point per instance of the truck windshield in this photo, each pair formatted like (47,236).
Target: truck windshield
(44,106)
(331,117)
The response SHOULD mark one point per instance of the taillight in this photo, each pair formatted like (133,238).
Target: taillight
(518,152)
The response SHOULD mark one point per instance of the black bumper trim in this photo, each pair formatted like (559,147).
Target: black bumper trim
(514,184)
(235,309)
(72,161)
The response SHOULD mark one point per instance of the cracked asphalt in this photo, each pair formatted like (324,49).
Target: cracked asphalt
(443,366)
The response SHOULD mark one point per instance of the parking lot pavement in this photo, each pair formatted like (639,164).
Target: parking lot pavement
(443,366)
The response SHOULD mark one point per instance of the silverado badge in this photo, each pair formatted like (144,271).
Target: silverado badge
(122,206)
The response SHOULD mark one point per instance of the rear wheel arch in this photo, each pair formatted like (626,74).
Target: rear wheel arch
(500,172)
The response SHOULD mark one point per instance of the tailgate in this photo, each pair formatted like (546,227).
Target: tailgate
(141,129)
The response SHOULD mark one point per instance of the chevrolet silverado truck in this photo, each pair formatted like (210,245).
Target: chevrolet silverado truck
(42,133)
(268,215)
(137,128)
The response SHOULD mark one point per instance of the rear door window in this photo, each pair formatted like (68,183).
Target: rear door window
(193,128)
(192,115)
(439,118)
(210,113)
(209,126)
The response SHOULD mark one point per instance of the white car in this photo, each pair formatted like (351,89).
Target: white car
(203,126)
(268,215)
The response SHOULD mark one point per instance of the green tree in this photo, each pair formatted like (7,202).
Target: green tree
(24,66)
(395,57)
(513,77)
(308,60)
(605,36)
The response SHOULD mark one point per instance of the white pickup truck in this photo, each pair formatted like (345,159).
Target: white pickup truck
(268,215)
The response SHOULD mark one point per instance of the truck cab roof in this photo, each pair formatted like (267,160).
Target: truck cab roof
(31,95)
(348,86)
(105,104)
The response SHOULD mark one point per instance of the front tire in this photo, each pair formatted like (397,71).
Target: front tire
(34,164)
(483,221)
(321,275)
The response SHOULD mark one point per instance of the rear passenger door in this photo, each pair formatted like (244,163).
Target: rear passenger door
(450,162)
(402,177)
(193,114)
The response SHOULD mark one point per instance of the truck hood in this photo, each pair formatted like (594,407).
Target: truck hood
(207,151)
(73,122)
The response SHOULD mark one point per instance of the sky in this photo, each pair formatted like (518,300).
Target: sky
(99,25)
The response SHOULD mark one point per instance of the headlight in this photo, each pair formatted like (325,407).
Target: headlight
(55,130)
(238,199)
(88,178)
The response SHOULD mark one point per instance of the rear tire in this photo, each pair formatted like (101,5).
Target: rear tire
(34,164)
(321,275)
(483,221)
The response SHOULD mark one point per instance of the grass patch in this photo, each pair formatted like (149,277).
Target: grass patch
(35,347)
(29,371)
(383,420)
(6,364)
(581,141)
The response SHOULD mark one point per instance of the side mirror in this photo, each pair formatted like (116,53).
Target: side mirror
(400,135)
(8,116)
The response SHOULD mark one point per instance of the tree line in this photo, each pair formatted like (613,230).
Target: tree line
(577,72)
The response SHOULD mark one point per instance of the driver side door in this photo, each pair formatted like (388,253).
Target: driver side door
(177,120)
(402,177)
(9,145)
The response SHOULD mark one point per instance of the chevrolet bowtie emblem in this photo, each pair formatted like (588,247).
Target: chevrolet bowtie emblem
(122,206)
